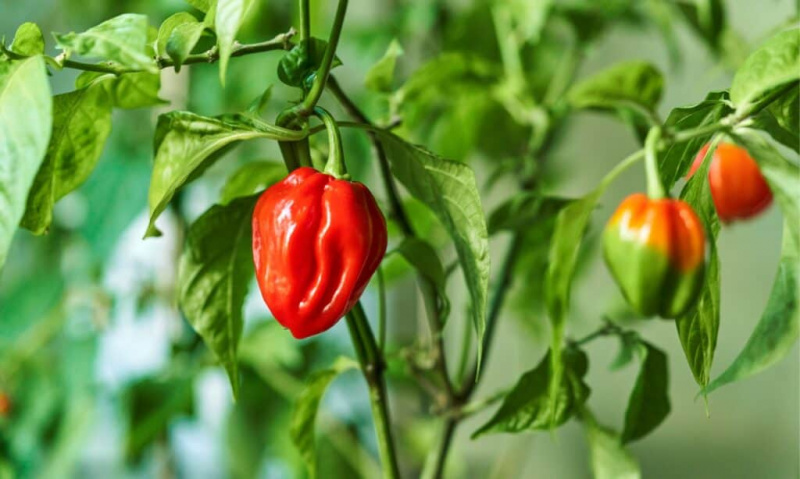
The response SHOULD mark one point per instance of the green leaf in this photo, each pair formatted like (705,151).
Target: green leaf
(129,90)
(299,65)
(530,17)
(186,144)
(182,41)
(610,460)
(677,159)
(251,178)
(448,188)
(525,211)
(779,327)
(202,5)
(230,15)
(25,120)
(168,26)
(766,121)
(380,77)
(304,415)
(632,83)
(786,110)
(123,40)
(423,257)
(707,18)
(629,345)
(648,404)
(528,405)
(776,63)
(81,124)
(258,104)
(28,40)
(215,270)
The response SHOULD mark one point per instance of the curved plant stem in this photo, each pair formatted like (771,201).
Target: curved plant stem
(305,20)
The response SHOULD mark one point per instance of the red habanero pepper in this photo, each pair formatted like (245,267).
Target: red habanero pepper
(317,240)
(737,186)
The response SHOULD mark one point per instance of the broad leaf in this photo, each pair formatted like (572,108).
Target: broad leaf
(129,90)
(182,41)
(230,15)
(632,83)
(251,178)
(25,125)
(202,5)
(186,144)
(28,40)
(168,26)
(380,77)
(529,405)
(767,122)
(648,404)
(448,188)
(81,124)
(786,110)
(776,63)
(610,459)
(299,65)
(215,270)
(306,407)
(123,40)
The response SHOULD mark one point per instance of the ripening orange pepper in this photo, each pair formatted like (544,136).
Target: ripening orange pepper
(737,186)
(317,240)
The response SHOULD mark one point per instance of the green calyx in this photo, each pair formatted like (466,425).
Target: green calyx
(651,283)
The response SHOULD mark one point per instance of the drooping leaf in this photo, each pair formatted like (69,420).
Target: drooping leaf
(183,40)
(610,459)
(186,144)
(529,406)
(631,83)
(525,211)
(28,40)
(122,39)
(306,407)
(129,90)
(299,65)
(449,189)
(168,26)
(648,404)
(423,257)
(230,15)
(775,63)
(381,75)
(25,125)
(251,178)
(81,124)
(215,270)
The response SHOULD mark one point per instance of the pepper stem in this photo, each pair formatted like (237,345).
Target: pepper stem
(335,165)
(655,188)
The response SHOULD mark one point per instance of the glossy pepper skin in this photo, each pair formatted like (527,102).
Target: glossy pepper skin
(317,240)
(737,186)
(655,250)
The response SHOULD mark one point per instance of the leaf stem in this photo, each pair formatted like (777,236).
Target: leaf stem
(305,20)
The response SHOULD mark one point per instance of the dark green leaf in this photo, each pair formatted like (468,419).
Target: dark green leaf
(529,404)
(25,120)
(168,26)
(524,211)
(786,110)
(186,144)
(299,64)
(230,15)
(123,40)
(251,178)
(182,41)
(305,411)
(129,90)
(767,122)
(380,77)
(629,343)
(28,40)
(448,188)
(648,404)
(610,459)
(81,124)
(633,83)
(775,63)
(707,18)
(215,270)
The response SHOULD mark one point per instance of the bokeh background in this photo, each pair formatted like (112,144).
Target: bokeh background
(107,380)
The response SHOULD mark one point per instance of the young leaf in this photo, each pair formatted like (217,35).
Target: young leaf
(168,26)
(610,460)
(182,40)
(25,120)
(380,76)
(123,40)
(81,124)
(631,83)
(529,405)
(186,144)
(448,188)
(202,5)
(215,270)
(251,178)
(299,64)
(304,415)
(229,17)
(776,63)
(28,40)
(648,404)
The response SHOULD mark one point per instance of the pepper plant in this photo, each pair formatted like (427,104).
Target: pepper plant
(509,92)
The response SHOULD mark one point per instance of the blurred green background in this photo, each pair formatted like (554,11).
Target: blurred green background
(107,380)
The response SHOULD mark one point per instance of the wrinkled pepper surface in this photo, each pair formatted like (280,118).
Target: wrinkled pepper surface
(737,186)
(655,249)
(317,240)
